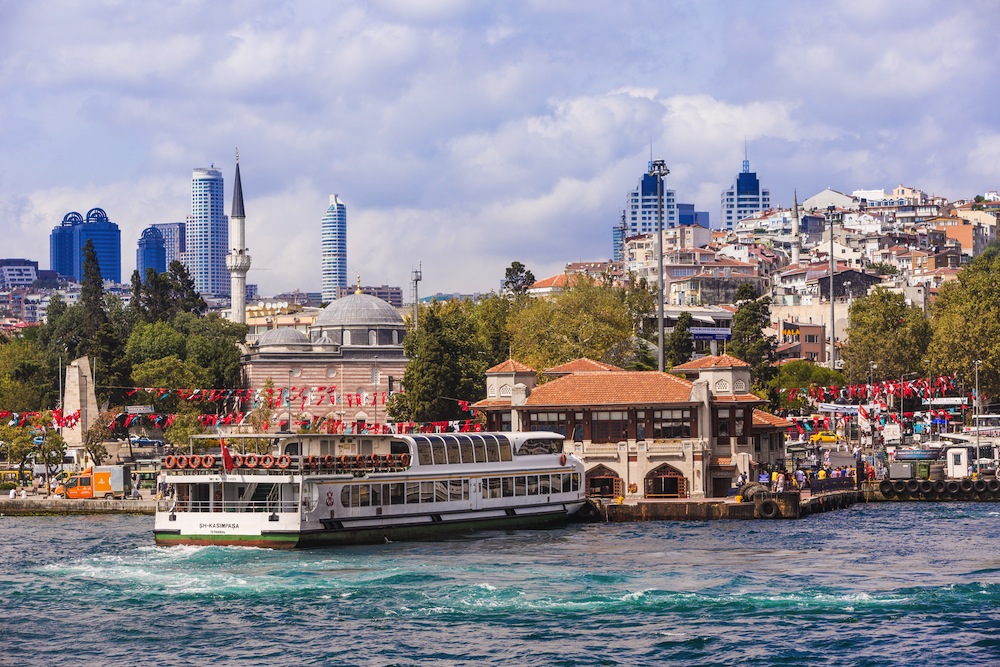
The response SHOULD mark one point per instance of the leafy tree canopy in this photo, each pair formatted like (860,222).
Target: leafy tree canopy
(883,330)
(518,278)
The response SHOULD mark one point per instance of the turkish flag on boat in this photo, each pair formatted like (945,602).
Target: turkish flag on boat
(227,458)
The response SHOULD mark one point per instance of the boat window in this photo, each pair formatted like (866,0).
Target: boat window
(424,453)
(505,450)
(535,446)
(441,491)
(398,447)
(426,492)
(454,451)
(567,482)
(377,495)
(575,486)
(412,492)
(532,485)
(292,448)
(480,446)
(440,452)
(459,489)
(491,487)
(543,484)
(507,484)
(396,496)
(520,486)
(468,455)
(492,450)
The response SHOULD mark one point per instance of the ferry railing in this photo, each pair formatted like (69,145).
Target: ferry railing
(315,465)
(195,506)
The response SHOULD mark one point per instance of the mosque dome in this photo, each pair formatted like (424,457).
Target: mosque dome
(359,310)
(282,337)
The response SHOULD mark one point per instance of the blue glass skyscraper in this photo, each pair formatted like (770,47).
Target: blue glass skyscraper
(333,251)
(744,198)
(207,233)
(67,241)
(151,252)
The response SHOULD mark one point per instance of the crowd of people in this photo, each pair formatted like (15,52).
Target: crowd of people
(778,480)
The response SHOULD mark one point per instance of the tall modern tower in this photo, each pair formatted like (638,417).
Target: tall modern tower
(68,239)
(334,248)
(174,240)
(207,233)
(151,252)
(640,213)
(238,259)
(743,198)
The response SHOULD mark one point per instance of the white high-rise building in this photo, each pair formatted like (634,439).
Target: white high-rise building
(744,198)
(207,233)
(334,249)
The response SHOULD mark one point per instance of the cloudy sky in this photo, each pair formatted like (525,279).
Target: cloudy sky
(465,135)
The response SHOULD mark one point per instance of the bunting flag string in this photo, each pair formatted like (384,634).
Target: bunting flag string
(924,388)
(59,419)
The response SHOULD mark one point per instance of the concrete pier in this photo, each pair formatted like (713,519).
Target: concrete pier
(41,506)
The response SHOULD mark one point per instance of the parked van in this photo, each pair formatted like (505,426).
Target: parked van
(108,482)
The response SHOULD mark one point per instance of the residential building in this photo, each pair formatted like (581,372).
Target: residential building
(392,295)
(151,252)
(68,239)
(801,340)
(174,241)
(207,233)
(333,248)
(744,198)
(16,273)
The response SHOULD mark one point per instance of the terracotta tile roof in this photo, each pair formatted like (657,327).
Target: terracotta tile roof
(721,361)
(612,389)
(560,280)
(741,398)
(722,460)
(582,364)
(761,418)
(492,403)
(511,366)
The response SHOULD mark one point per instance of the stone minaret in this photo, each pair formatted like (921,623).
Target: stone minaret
(796,241)
(238,259)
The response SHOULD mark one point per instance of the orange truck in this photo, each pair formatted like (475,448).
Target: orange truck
(108,482)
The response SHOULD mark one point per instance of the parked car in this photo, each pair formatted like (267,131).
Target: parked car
(821,437)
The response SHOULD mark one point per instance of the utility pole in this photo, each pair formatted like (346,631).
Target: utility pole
(658,168)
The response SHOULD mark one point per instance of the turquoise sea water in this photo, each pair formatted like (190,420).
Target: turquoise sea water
(890,584)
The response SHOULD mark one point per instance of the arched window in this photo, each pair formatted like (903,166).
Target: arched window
(373,337)
(506,391)
(347,338)
(722,385)
(739,386)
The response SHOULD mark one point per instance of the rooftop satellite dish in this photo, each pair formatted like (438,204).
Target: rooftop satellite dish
(268,305)
(284,304)
(260,304)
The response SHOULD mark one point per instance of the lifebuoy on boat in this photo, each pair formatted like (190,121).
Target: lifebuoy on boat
(404,459)
(284,461)
(169,461)
(267,461)
(182,462)
(208,461)
(237,460)
(194,461)
(328,461)
(251,460)
(562,459)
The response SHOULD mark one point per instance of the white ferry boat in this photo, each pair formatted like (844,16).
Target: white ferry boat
(325,490)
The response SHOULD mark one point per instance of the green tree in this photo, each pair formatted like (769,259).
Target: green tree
(586,320)
(679,345)
(802,374)
(432,375)
(748,340)
(25,380)
(212,344)
(965,324)
(884,330)
(517,278)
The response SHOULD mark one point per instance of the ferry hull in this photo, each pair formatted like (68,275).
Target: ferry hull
(358,535)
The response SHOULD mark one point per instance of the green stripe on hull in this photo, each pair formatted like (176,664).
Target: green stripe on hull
(349,536)
(273,541)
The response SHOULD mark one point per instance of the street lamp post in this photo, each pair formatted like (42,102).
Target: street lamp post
(658,168)
(833,362)
(975,418)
